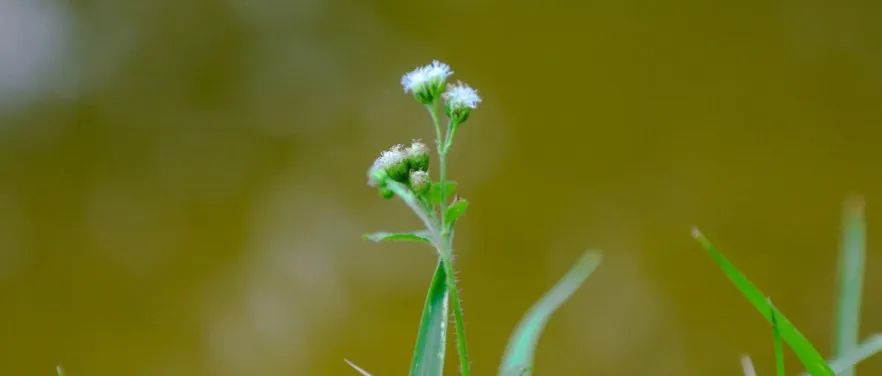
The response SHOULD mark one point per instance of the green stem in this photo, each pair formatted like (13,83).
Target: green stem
(462,347)
(445,238)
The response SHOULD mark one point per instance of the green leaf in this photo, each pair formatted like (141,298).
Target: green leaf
(807,354)
(436,195)
(428,353)
(851,275)
(59,371)
(455,210)
(415,236)
(776,333)
(518,358)
(358,369)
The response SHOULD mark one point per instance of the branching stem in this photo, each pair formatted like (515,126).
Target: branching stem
(444,236)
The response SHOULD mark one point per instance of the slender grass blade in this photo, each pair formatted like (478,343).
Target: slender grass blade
(851,275)
(776,334)
(518,358)
(358,369)
(804,350)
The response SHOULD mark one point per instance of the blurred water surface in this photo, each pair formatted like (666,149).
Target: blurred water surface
(182,182)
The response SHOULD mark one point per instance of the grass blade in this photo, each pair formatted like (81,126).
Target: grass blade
(358,369)
(428,353)
(779,348)
(59,371)
(804,350)
(851,275)
(747,366)
(518,358)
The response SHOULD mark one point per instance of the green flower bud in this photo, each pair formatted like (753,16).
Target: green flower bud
(391,164)
(417,156)
(420,182)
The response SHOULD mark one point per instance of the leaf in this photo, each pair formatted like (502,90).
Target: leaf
(436,191)
(455,210)
(59,371)
(776,334)
(851,275)
(428,352)
(415,236)
(807,354)
(358,369)
(518,358)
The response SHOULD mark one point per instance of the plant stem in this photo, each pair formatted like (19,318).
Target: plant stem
(445,238)
(462,347)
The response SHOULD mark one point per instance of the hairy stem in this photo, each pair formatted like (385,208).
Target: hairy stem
(445,238)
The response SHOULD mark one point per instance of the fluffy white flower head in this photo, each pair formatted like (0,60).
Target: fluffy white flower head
(461,96)
(426,82)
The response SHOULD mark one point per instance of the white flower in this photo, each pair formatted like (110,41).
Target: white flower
(426,82)
(461,96)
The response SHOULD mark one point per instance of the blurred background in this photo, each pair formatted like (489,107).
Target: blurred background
(182,183)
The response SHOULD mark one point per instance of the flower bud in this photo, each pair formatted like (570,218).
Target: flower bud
(418,156)
(419,181)
(426,82)
(391,164)
(460,99)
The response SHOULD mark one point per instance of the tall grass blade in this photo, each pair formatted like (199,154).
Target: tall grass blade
(518,358)
(776,334)
(804,350)
(428,353)
(851,276)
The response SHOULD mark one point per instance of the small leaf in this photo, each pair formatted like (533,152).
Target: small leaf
(455,210)
(518,358)
(358,369)
(416,236)
(804,350)
(428,352)
(59,371)
(436,191)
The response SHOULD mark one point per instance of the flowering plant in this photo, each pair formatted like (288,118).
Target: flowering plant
(403,171)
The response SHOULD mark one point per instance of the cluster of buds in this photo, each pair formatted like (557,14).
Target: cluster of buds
(407,165)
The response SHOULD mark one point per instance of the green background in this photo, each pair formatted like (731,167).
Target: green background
(182,183)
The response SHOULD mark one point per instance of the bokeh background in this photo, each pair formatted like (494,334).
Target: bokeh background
(182,183)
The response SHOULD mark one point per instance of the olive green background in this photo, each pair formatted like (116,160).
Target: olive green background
(182,183)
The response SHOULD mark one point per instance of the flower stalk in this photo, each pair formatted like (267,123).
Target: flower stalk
(403,172)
